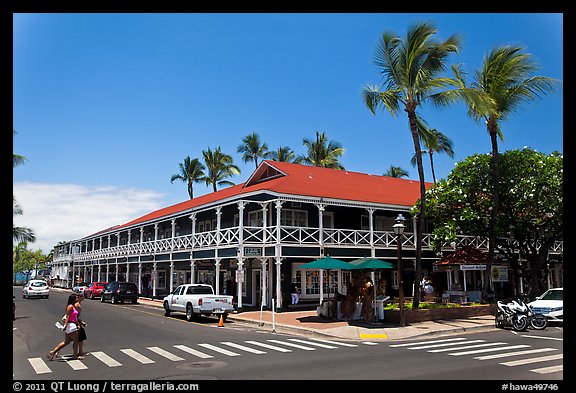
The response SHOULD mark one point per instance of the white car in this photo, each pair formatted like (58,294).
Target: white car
(35,288)
(551,304)
(80,288)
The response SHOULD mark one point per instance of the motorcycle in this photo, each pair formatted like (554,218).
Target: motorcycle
(519,316)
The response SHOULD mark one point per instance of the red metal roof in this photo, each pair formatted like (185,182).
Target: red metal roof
(303,180)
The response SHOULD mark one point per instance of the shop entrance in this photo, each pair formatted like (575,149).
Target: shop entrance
(257,287)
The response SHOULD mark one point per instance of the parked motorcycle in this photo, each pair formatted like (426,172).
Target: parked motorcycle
(519,316)
(511,314)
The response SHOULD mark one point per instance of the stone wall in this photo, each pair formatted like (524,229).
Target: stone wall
(440,313)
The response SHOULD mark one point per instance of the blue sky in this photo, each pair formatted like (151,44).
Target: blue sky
(106,105)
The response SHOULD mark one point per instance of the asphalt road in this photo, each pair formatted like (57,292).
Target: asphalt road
(136,342)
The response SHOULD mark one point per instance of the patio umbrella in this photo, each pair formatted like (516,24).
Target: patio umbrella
(327,263)
(371,264)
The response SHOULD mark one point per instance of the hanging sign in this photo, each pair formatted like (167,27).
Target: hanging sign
(472,267)
(252,251)
(239,275)
(499,273)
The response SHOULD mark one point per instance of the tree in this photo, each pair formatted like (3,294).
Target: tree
(322,152)
(435,142)
(531,205)
(21,234)
(411,69)
(504,82)
(396,171)
(219,166)
(191,171)
(283,154)
(252,149)
(17,159)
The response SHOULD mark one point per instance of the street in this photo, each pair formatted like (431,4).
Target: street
(136,342)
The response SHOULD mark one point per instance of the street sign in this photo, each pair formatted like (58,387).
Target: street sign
(252,251)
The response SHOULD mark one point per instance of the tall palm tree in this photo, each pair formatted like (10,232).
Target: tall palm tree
(435,142)
(17,158)
(252,148)
(191,171)
(283,154)
(21,234)
(411,68)
(396,171)
(500,86)
(219,166)
(322,152)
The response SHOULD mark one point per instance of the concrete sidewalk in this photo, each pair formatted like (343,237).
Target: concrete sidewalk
(308,322)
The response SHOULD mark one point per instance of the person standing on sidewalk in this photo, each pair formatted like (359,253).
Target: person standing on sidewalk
(294,293)
(81,325)
(70,328)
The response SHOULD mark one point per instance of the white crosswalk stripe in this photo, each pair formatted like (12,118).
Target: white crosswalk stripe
(194,352)
(516,353)
(137,356)
(107,360)
(268,346)
(335,342)
(166,354)
(220,350)
(427,342)
(548,370)
(39,365)
(466,347)
(488,350)
(313,343)
(533,360)
(76,364)
(292,345)
(243,348)
(447,344)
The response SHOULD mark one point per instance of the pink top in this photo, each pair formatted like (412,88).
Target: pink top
(73,316)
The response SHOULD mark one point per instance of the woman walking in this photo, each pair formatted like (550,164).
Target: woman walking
(70,328)
(81,324)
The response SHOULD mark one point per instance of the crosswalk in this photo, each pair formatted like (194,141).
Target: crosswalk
(180,352)
(491,351)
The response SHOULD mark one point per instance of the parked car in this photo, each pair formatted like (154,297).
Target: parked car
(79,288)
(94,290)
(551,304)
(35,288)
(197,299)
(117,291)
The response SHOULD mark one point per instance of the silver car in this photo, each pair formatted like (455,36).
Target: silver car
(35,288)
(551,304)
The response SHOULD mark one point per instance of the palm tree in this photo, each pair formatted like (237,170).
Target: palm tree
(252,149)
(21,234)
(396,171)
(283,154)
(411,69)
(500,86)
(322,152)
(435,142)
(191,171)
(17,158)
(219,166)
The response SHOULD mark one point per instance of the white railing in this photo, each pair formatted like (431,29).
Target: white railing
(227,237)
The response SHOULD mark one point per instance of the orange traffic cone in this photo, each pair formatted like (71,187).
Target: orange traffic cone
(221,323)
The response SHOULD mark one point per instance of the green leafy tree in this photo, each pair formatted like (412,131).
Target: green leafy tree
(411,69)
(531,204)
(505,81)
(21,234)
(191,171)
(396,171)
(219,166)
(283,154)
(252,148)
(322,152)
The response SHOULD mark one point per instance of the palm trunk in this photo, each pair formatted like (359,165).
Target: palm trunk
(411,110)
(495,167)
(432,166)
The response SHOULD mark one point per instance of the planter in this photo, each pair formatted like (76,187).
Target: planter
(434,314)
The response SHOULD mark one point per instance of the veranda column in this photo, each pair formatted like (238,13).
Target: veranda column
(279,301)
(278,282)
(171,274)
(372,250)
(155,274)
(107,271)
(140,277)
(192,244)
(217,289)
(99,271)
(117,269)
(127,271)
(240,253)
(321,207)
(264,264)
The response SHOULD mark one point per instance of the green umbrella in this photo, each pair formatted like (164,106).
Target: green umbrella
(371,264)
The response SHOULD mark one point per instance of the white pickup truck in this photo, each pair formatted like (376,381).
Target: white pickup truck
(197,299)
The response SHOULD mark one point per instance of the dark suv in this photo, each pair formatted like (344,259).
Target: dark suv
(117,291)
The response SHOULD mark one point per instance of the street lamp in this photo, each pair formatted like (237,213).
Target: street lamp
(399,231)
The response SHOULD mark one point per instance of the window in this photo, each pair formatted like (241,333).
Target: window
(294,218)
(204,226)
(256,218)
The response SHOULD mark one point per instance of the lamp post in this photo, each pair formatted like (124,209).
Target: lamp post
(398,228)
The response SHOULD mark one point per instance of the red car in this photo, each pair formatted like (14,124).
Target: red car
(94,290)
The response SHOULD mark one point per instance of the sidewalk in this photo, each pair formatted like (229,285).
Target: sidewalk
(307,322)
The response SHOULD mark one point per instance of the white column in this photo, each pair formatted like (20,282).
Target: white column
(107,272)
(171,275)
(140,277)
(371,228)
(240,251)
(321,286)
(116,269)
(192,265)
(264,222)
(155,274)
(278,282)
(321,208)
(99,271)
(127,271)
(263,262)
(217,289)
(218,226)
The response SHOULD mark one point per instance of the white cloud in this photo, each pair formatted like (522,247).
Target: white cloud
(63,212)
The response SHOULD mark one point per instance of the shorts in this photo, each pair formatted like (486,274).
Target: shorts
(71,328)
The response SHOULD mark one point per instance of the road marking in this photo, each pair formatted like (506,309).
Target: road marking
(166,354)
(542,337)
(447,344)
(548,370)
(488,350)
(334,342)
(465,347)
(76,364)
(533,360)
(137,356)
(39,365)
(243,348)
(193,352)
(507,354)
(369,343)
(221,350)
(293,345)
(373,335)
(313,343)
(107,360)
(272,347)
(427,342)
